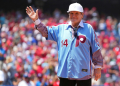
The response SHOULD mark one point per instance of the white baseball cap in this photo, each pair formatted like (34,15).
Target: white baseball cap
(75,7)
(2,76)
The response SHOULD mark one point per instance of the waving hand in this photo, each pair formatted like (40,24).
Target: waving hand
(31,13)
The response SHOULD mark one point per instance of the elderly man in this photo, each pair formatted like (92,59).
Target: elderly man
(77,44)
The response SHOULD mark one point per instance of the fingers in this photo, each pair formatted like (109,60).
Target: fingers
(97,73)
(37,12)
(97,76)
(29,10)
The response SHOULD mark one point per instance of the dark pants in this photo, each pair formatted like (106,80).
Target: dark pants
(67,82)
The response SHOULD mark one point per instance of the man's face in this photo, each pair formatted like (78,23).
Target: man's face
(75,17)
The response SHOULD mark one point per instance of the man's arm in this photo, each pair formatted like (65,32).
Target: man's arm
(98,62)
(39,26)
(97,58)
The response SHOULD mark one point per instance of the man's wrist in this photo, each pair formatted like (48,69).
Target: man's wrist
(97,67)
(36,22)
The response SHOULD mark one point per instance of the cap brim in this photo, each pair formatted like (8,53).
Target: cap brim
(73,10)
(68,11)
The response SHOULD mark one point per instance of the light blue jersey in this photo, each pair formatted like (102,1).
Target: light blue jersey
(74,54)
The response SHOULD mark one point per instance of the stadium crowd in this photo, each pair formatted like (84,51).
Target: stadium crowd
(27,59)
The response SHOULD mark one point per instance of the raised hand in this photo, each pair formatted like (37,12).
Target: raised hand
(31,13)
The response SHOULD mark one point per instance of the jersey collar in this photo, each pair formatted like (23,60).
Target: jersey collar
(80,24)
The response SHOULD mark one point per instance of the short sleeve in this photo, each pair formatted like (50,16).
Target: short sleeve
(53,33)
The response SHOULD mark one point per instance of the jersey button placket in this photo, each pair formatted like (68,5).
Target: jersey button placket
(70,62)
(69,70)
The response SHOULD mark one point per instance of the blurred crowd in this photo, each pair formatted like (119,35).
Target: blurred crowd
(28,59)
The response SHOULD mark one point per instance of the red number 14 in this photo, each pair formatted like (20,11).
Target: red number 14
(64,43)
